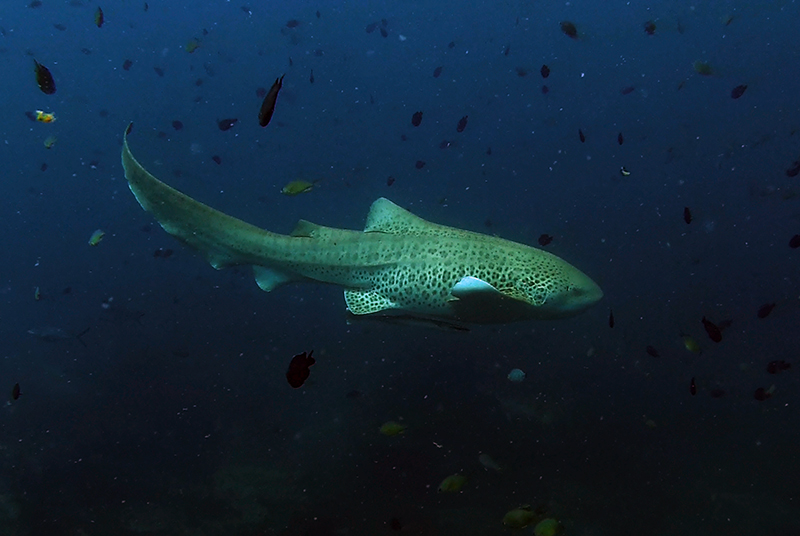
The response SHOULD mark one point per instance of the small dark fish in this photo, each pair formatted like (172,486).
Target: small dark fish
(226,124)
(416,119)
(794,242)
(444,145)
(44,166)
(714,333)
(44,79)
(687,215)
(389,180)
(127,64)
(610,318)
(159,71)
(290,64)
(762,394)
(86,51)
(167,253)
(521,71)
(177,125)
(545,239)
(738,91)
(420,164)
(60,27)
(318,52)
(489,151)
(545,90)
(318,14)
(298,371)
(99,19)
(384,33)
(651,351)
(451,44)
(217,159)
(775,367)
(15,392)
(716,393)
(794,170)
(292,23)
(569,29)
(403,137)
(765,310)
(146,6)
(649,27)
(30,115)
(462,124)
(247,10)
(545,71)
(372,26)
(692,387)
(507,50)
(268,106)
(627,90)
(581,136)
(384,23)
(437,71)
(161,134)
(66,291)
(35,4)
(620,139)
(311,77)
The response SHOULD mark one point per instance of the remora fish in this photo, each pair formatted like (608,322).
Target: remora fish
(400,267)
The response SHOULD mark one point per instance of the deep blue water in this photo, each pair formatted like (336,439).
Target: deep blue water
(172,414)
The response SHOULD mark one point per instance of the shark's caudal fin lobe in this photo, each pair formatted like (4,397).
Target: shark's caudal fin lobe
(224,240)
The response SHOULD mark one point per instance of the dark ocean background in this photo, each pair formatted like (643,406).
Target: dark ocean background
(172,414)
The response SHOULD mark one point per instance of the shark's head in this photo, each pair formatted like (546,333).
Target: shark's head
(557,291)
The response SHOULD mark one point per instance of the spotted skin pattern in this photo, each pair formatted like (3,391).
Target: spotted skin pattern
(400,265)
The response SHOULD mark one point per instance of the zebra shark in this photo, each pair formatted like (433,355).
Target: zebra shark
(399,268)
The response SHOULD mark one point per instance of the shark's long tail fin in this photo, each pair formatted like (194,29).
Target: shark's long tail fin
(224,240)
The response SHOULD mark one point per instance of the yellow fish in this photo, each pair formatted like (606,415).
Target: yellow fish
(297,187)
(690,344)
(45,117)
(192,45)
(96,237)
(519,518)
(392,428)
(546,527)
(453,483)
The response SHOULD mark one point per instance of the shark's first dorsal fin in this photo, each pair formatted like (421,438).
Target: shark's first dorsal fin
(386,217)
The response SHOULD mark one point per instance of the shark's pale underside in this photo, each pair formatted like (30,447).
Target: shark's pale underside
(400,267)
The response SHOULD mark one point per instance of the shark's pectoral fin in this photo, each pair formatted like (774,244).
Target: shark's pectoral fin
(366,302)
(472,297)
(471,287)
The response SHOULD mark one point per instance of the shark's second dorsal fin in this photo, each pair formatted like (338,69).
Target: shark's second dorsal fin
(305,228)
(386,217)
